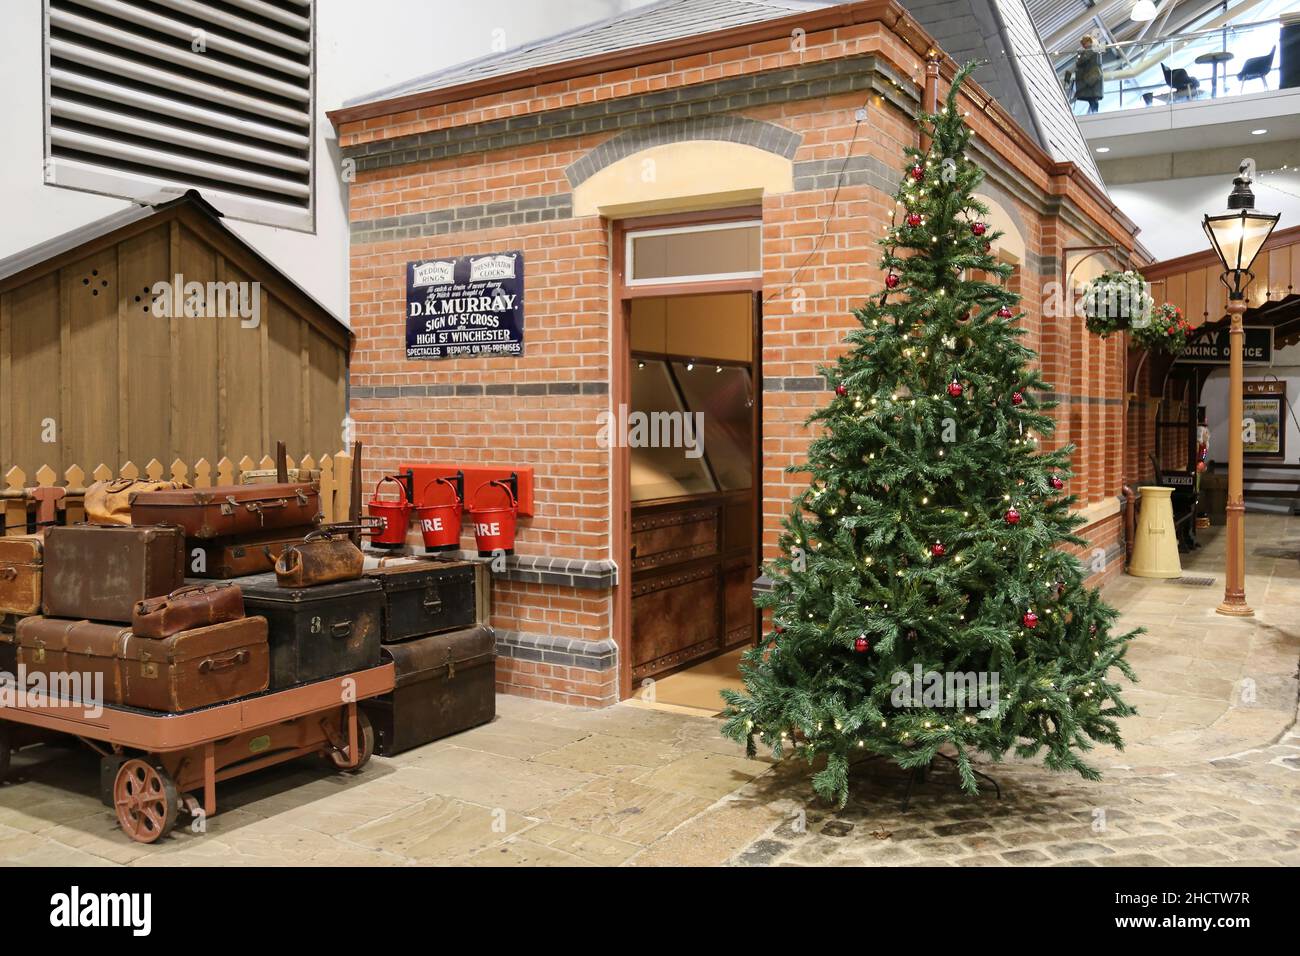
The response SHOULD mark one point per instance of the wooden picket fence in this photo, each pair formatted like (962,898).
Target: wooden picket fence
(19,501)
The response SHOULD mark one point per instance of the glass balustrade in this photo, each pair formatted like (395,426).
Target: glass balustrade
(1206,65)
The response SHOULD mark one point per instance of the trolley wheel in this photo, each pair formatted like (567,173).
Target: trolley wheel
(146,800)
(6,749)
(366,741)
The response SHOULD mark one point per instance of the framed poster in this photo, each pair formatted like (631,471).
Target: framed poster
(465,307)
(1264,419)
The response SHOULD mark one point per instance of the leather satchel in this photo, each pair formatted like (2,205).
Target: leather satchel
(195,605)
(323,557)
(109,502)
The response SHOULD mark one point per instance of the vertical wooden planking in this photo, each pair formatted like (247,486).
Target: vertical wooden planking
(174,380)
(196,404)
(88,294)
(1176,292)
(304,358)
(1279,273)
(224,410)
(1195,311)
(284,374)
(241,379)
(324,373)
(35,364)
(145,375)
(264,359)
(6,382)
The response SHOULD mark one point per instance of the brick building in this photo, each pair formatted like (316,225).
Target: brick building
(695,184)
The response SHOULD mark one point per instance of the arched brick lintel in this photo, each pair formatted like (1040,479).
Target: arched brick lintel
(728,128)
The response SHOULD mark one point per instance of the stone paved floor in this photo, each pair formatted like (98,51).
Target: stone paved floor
(1211,776)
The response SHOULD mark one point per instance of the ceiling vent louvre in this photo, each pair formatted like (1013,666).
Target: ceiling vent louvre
(143,96)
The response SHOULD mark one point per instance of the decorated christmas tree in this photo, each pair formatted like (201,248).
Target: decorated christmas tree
(923,598)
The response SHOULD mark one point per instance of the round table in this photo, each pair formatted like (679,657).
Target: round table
(1214,58)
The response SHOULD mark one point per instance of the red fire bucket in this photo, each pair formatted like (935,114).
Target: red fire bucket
(439,524)
(494,528)
(394,516)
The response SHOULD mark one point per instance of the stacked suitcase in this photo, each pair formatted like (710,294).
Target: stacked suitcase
(68,596)
(90,579)
(445,657)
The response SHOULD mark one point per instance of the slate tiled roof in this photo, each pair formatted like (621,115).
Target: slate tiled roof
(654,23)
(999,32)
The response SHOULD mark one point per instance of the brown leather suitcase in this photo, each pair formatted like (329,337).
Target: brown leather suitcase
(446,683)
(225,558)
(196,668)
(109,502)
(323,558)
(99,572)
(21,567)
(194,605)
(75,656)
(225,510)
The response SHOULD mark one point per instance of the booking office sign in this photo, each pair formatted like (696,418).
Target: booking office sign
(465,307)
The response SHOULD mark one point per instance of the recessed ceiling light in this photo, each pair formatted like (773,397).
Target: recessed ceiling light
(1103,149)
(1258,132)
(1143,11)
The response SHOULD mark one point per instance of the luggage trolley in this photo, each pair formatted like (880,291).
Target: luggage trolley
(163,760)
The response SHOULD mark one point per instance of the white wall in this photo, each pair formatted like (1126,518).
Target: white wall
(1169,211)
(361,47)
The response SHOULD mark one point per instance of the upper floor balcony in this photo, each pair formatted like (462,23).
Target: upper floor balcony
(1201,67)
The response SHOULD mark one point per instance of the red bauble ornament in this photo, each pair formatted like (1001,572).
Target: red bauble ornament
(1005,313)
(918,173)
(1057,483)
(988,247)
(954,388)
(779,629)
(938,550)
(860,644)
(891,281)
(1012,516)
(979,228)
(841,391)
(1030,619)
(1017,398)
(913,219)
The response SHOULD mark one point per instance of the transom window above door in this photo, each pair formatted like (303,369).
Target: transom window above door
(703,253)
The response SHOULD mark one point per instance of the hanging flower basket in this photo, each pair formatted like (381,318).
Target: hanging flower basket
(1114,301)
(1165,331)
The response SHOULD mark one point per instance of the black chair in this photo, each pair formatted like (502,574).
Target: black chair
(1257,68)
(1180,82)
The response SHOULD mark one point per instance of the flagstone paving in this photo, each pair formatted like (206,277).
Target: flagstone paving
(1211,776)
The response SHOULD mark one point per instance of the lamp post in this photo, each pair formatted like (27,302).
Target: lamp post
(1237,237)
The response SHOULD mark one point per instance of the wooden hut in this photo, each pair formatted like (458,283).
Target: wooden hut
(157,332)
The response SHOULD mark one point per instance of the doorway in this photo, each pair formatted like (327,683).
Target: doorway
(692,423)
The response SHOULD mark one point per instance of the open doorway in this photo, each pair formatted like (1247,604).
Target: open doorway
(693,551)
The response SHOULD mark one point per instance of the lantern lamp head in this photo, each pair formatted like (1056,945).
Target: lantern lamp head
(1238,235)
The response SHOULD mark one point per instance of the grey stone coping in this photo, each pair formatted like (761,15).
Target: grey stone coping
(599,655)
(563,572)
(815,80)
(503,388)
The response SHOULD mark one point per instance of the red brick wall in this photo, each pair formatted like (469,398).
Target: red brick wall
(568,314)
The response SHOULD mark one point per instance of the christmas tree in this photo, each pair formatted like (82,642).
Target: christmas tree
(928,546)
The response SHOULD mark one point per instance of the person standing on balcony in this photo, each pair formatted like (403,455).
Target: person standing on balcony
(1087,74)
